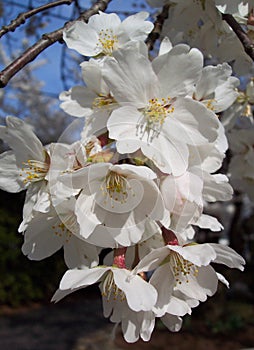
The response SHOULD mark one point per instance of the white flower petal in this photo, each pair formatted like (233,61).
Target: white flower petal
(148,323)
(81,278)
(77,101)
(82,38)
(30,201)
(179,70)
(217,188)
(104,21)
(222,279)
(92,75)
(173,323)
(140,295)
(178,307)
(102,237)
(169,155)
(205,284)
(226,94)
(141,172)
(79,253)
(43,237)
(193,121)
(10,179)
(228,256)
(43,202)
(135,27)
(198,254)
(134,194)
(152,260)
(130,327)
(127,232)
(165,46)
(21,138)
(86,215)
(81,178)
(163,280)
(60,294)
(209,222)
(130,77)
(211,78)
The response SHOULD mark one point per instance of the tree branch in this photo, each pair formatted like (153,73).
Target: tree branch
(241,34)
(46,40)
(22,17)
(158,24)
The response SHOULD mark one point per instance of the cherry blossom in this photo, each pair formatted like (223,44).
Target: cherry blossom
(124,198)
(116,202)
(105,33)
(160,114)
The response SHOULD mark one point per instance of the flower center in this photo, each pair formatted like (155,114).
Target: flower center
(107,41)
(61,230)
(153,117)
(109,288)
(35,170)
(182,268)
(210,104)
(67,227)
(103,101)
(115,187)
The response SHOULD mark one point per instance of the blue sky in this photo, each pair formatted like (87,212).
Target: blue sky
(50,72)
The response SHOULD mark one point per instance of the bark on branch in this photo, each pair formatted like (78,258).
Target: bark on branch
(158,25)
(22,17)
(241,34)
(46,40)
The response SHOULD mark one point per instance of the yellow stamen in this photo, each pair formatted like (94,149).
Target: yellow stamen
(103,101)
(61,230)
(34,170)
(209,104)
(153,117)
(182,268)
(107,40)
(115,187)
(101,157)
(109,288)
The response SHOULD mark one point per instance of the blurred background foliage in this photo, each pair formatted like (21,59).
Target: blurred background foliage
(22,281)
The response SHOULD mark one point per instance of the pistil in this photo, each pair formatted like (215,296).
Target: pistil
(115,187)
(153,117)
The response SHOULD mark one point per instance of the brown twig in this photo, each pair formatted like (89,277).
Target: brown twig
(241,34)
(100,5)
(158,24)
(22,17)
(46,40)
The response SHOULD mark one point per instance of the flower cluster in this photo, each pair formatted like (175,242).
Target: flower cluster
(200,24)
(136,180)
